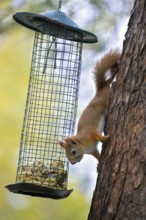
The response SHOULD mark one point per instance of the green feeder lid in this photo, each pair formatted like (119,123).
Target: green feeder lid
(49,22)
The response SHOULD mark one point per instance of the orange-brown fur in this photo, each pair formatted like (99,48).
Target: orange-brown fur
(87,137)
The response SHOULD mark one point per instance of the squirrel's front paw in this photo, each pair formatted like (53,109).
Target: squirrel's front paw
(105,138)
(100,137)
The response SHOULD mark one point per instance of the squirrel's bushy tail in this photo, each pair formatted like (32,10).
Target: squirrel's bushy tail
(108,62)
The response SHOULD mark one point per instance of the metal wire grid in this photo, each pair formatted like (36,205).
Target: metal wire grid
(50,109)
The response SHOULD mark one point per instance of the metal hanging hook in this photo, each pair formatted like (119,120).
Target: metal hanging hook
(60,2)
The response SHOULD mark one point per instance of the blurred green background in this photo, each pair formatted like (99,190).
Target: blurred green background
(16,44)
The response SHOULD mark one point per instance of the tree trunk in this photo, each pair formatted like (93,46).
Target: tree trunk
(121,185)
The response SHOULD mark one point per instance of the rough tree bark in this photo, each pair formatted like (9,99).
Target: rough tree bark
(121,185)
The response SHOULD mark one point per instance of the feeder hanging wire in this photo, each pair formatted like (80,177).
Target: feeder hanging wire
(60,2)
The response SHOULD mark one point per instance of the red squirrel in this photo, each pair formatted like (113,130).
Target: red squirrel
(88,135)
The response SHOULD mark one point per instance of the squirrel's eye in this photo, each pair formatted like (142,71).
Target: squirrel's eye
(73,151)
(73,142)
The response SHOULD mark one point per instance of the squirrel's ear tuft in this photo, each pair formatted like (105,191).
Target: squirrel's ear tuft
(72,141)
(62,144)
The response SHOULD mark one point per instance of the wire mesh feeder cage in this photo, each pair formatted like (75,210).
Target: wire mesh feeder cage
(51,103)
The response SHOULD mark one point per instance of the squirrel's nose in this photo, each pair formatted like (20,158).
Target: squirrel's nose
(73,163)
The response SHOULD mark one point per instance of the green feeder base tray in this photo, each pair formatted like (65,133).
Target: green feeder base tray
(36,190)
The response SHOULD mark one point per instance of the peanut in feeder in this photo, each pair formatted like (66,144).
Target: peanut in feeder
(51,104)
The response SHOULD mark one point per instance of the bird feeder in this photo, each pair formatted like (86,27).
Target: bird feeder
(51,103)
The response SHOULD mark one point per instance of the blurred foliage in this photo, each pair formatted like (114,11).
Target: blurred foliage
(102,17)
